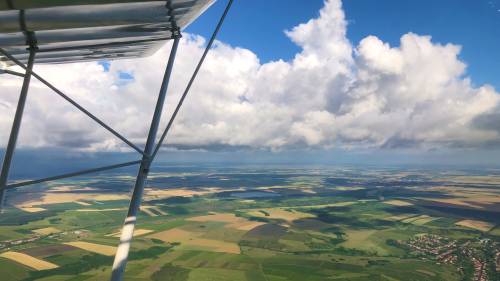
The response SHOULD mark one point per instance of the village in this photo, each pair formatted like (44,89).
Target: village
(6,245)
(478,259)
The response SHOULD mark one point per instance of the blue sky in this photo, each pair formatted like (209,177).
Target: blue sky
(474,24)
(351,99)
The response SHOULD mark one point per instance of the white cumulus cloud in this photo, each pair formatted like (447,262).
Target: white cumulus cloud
(331,94)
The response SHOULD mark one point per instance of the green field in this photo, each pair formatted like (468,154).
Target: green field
(333,233)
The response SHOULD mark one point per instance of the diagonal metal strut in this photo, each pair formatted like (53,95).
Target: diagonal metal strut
(73,174)
(74,103)
(135,201)
(16,126)
(149,152)
(193,77)
(15,73)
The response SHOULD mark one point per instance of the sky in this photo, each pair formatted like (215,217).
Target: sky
(473,24)
(380,79)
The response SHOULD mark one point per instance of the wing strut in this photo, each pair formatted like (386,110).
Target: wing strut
(131,219)
(148,154)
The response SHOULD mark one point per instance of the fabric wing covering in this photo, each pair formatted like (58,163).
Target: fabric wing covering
(76,30)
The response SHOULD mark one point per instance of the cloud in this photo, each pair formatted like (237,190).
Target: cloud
(331,94)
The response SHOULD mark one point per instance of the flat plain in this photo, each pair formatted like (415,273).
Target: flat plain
(250,223)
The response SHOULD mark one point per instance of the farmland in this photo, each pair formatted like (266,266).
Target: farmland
(256,224)
(28,261)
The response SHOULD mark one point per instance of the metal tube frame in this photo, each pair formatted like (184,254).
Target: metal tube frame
(74,103)
(135,202)
(148,155)
(74,174)
(16,125)
(193,77)
(15,73)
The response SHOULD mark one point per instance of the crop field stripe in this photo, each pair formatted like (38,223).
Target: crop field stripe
(424,220)
(137,232)
(32,209)
(46,231)
(83,203)
(149,212)
(400,218)
(476,224)
(95,248)
(189,238)
(415,219)
(279,213)
(101,210)
(339,204)
(28,260)
(159,211)
(399,203)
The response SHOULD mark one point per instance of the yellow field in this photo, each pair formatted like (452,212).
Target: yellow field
(32,209)
(137,232)
(95,248)
(474,224)
(149,212)
(306,188)
(477,198)
(147,209)
(70,188)
(189,238)
(101,210)
(339,204)
(158,210)
(46,230)
(400,217)
(222,217)
(231,221)
(476,202)
(399,203)
(345,188)
(278,213)
(83,203)
(269,188)
(246,226)
(476,179)
(174,235)
(419,220)
(156,193)
(55,197)
(28,261)
(410,219)
(216,245)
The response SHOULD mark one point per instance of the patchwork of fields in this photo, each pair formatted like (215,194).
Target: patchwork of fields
(259,225)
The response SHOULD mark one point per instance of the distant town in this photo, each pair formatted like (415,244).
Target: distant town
(477,257)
